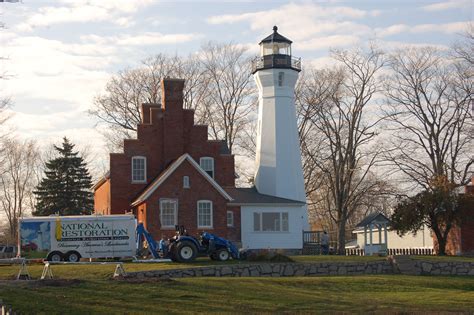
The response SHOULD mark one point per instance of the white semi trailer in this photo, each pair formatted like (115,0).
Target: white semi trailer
(71,238)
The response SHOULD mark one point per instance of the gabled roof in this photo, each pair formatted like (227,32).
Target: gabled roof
(375,216)
(250,196)
(170,170)
(101,181)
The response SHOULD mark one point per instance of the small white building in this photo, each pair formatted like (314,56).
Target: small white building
(375,235)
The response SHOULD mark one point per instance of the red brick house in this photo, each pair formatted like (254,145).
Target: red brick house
(159,169)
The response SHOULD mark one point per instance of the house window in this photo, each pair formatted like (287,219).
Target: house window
(138,169)
(186,182)
(270,222)
(168,213)
(280,78)
(204,214)
(207,164)
(230,218)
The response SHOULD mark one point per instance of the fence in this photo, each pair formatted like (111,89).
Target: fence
(355,252)
(394,251)
(411,251)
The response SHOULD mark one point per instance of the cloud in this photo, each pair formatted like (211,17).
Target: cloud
(393,45)
(446,5)
(320,43)
(74,11)
(142,39)
(319,63)
(447,28)
(310,19)
(154,38)
(72,72)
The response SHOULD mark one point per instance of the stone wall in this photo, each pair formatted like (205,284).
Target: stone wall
(393,265)
(271,270)
(432,268)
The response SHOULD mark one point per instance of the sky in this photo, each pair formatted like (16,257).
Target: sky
(59,55)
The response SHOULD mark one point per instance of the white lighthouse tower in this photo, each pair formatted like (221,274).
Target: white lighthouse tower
(278,158)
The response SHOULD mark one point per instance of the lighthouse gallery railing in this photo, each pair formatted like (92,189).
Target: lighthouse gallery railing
(276,61)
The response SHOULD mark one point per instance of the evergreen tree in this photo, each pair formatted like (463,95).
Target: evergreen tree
(66,187)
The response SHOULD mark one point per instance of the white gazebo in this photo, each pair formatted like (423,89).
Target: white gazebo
(375,227)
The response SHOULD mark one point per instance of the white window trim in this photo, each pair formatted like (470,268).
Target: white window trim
(261,222)
(186,182)
(232,213)
(175,213)
(212,215)
(213,164)
(144,165)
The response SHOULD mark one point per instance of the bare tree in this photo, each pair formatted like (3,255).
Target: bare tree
(430,115)
(464,48)
(429,100)
(229,93)
(118,108)
(338,135)
(17,180)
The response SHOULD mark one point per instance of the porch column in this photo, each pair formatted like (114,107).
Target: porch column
(365,235)
(380,233)
(370,228)
(385,235)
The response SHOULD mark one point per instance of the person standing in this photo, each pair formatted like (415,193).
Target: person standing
(325,243)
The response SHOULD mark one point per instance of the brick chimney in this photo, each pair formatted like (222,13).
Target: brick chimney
(145,111)
(172,94)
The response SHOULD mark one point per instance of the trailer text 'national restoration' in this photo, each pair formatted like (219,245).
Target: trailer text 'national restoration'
(91,230)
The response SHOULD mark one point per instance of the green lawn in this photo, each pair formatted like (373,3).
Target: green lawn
(360,294)
(96,293)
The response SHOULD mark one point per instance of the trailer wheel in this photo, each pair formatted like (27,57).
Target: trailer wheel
(73,257)
(55,256)
(222,254)
(186,251)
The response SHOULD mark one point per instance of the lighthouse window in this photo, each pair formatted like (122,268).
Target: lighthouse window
(207,164)
(280,78)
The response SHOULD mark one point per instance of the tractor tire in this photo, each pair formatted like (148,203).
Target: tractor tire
(186,251)
(172,253)
(213,256)
(222,254)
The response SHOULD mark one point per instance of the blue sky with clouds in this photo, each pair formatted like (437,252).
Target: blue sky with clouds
(61,53)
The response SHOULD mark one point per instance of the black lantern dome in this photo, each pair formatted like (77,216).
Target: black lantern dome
(275,52)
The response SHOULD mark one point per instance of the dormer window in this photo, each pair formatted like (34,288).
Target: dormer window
(207,164)
(138,169)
